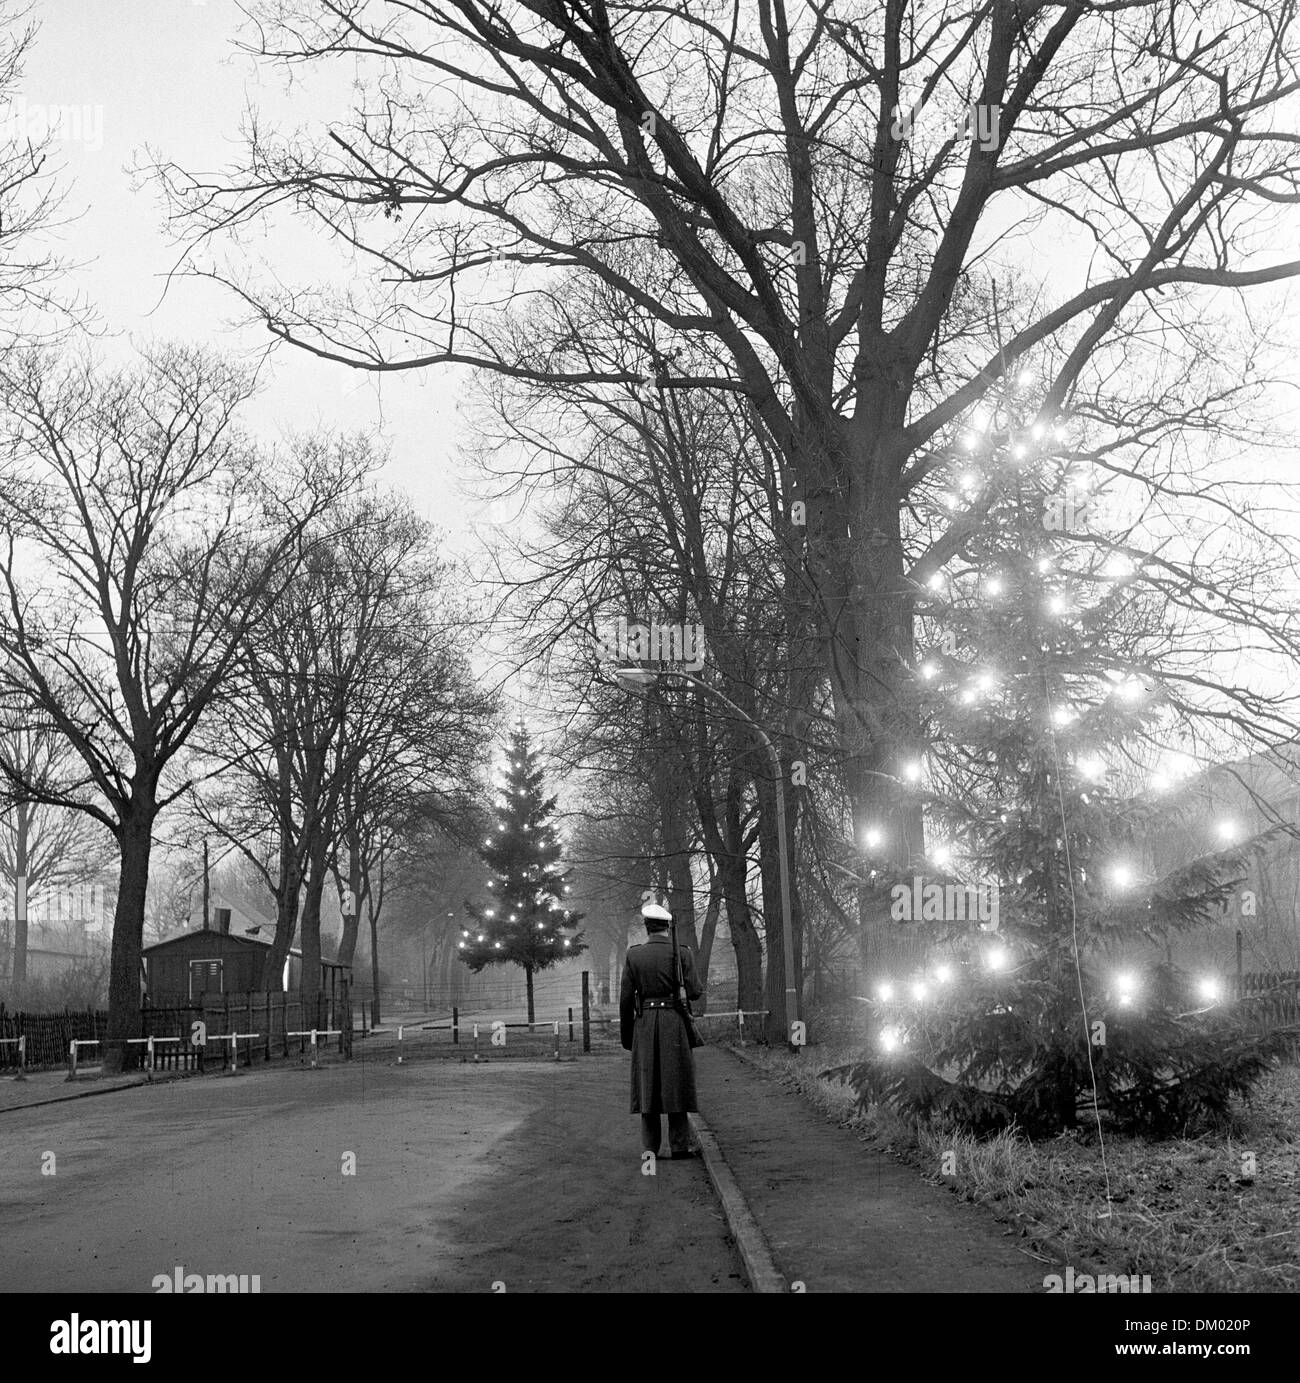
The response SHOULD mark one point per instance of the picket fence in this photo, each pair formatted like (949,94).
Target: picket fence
(272,1016)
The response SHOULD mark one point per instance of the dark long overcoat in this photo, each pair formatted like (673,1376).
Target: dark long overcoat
(663,1067)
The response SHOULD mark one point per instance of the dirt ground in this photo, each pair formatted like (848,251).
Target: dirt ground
(524,1175)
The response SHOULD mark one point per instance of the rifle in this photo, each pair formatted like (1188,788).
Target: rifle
(680,1001)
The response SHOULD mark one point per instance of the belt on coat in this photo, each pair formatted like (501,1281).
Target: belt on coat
(657,1003)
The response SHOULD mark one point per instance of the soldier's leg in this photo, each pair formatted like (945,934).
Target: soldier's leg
(651,1133)
(679,1132)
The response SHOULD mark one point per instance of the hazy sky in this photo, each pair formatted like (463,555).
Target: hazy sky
(164,73)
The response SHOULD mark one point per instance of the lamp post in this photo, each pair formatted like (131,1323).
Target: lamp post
(640,680)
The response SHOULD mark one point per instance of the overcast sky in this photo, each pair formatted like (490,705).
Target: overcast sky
(164,73)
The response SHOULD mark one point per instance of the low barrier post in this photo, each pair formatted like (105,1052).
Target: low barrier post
(399,1044)
(313,1049)
(570,1022)
(586,1010)
(557,1039)
(72,1060)
(475,1041)
(22,1058)
(455,1026)
(740,1018)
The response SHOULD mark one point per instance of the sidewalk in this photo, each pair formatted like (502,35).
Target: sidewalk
(839,1216)
(49,1087)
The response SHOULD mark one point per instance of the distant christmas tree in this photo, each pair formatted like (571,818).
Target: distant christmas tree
(1044,704)
(524,924)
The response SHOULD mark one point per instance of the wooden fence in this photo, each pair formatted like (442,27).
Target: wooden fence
(273,1016)
(1274,997)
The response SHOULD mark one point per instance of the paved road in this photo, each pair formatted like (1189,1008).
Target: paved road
(526,1174)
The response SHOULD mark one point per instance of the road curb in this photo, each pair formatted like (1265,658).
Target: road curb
(77,1095)
(760,1267)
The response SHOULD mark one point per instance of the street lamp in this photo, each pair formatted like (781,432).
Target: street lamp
(640,680)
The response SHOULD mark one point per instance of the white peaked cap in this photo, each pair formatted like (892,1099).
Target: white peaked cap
(656,912)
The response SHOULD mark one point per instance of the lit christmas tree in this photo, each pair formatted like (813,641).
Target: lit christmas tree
(1046,991)
(525,923)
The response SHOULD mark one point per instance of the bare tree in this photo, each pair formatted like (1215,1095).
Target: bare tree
(150,539)
(823,213)
(42,847)
(353,702)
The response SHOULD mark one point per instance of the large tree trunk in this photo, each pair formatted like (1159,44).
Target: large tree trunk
(855,552)
(20,913)
(352,920)
(705,953)
(773,910)
(135,841)
(309,982)
(744,935)
(374,961)
(286,909)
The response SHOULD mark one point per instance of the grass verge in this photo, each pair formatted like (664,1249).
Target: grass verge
(1219,1213)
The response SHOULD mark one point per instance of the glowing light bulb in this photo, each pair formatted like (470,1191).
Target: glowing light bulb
(885,991)
(460,945)
(918,991)
(1091,767)
(935,582)
(1019,451)
(980,418)
(970,481)
(1121,875)
(912,770)
(890,1040)
(1025,378)
(1062,715)
(968,441)
(968,695)
(1131,689)
(1126,986)
(566,940)
(997,958)
(1208,989)
(480,936)
(496,945)
(1056,605)
(994,585)
(488,913)
(984,681)
(1227,830)
(941,854)
(1036,432)
(541,926)
(1044,564)
(928,670)
(951,501)
(943,973)
(1117,567)
(1160,783)
(872,836)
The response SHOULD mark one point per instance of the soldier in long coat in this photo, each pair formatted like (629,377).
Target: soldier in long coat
(663,1066)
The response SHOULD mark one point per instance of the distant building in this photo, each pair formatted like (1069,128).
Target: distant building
(225,960)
